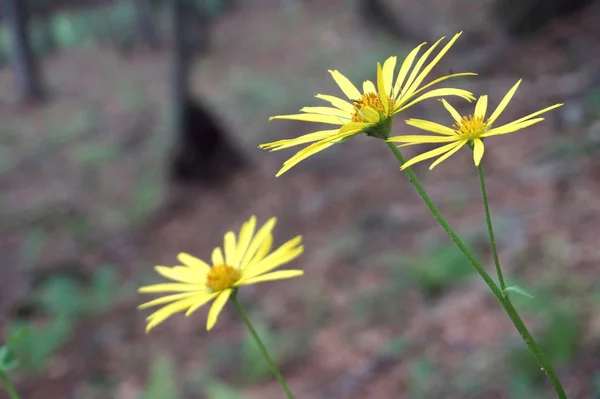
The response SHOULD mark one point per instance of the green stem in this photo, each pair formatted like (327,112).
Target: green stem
(262,347)
(8,385)
(488,221)
(506,304)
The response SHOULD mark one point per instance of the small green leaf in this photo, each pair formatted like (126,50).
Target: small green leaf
(518,290)
(8,360)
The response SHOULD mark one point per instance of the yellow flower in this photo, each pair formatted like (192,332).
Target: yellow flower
(469,130)
(372,110)
(246,261)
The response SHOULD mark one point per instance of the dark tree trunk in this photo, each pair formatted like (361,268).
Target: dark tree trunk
(145,24)
(23,61)
(202,151)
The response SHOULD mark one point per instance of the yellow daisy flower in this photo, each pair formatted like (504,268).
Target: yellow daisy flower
(372,110)
(469,130)
(246,261)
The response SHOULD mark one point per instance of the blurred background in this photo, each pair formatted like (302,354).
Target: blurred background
(129,133)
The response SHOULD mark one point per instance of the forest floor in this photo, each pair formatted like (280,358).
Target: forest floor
(386,309)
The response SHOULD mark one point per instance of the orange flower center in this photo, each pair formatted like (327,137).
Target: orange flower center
(222,277)
(470,127)
(371,100)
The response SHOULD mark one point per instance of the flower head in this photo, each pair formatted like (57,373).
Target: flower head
(469,130)
(372,110)
(247,260)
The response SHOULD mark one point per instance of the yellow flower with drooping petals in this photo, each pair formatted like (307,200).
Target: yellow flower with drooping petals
(469,130)
(247,260)
(372,110)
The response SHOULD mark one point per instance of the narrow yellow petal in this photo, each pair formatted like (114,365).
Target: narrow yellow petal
(438,93)
(511,127)
(332,120)
(302,155)
(406,64)
(477,151)
(408,90)
(193,262)
(166,299)
(415,85)
(246,233)
(370,114)
(284,254)
(257,241)
(262,252)
(431,127)
(165,312)
(430,154)
(337,102)
(448,154)
(453,112)
(229,247)
(388,75)
(201,302)
(327,111)
(423,139)
(503,103)
(168,287)
(369,87)
(438,80)
(217,306)
(182,274)
(346,85)
(278,275)
(217,257)
(481,107)
(307,138)
(381,89)
(523,119)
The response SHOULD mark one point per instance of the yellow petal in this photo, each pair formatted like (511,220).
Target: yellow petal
(523,119)
(346,85)
(503,103)
(169,287)
(477,151)
(278,275)
(381,89)
(369,87)
(217,257)
(511,127)
(438,80)
(437,93)
(167,299)
(327,111)
(332,120)
(448,154)
(262,252)
(182,274)
(388,75)
(431,127)
(307,138)
(453,112)
(193,262)
(284,254)
(201,302)
(246,233)
(337,102)
(430,154)
(302,155)
(423,139)
(217,306)
(408,90)
(370,114)
(229,247)
(406,64)
(415,85)
(165,312)
(261,235)
(481,107)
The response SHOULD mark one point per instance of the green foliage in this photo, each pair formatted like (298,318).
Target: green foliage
(95,154)
(438,268)
(64,300)
(8,358)
(522,386)
(162,380)
(422,373)
(218,390)
(517,289)
(146,197)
